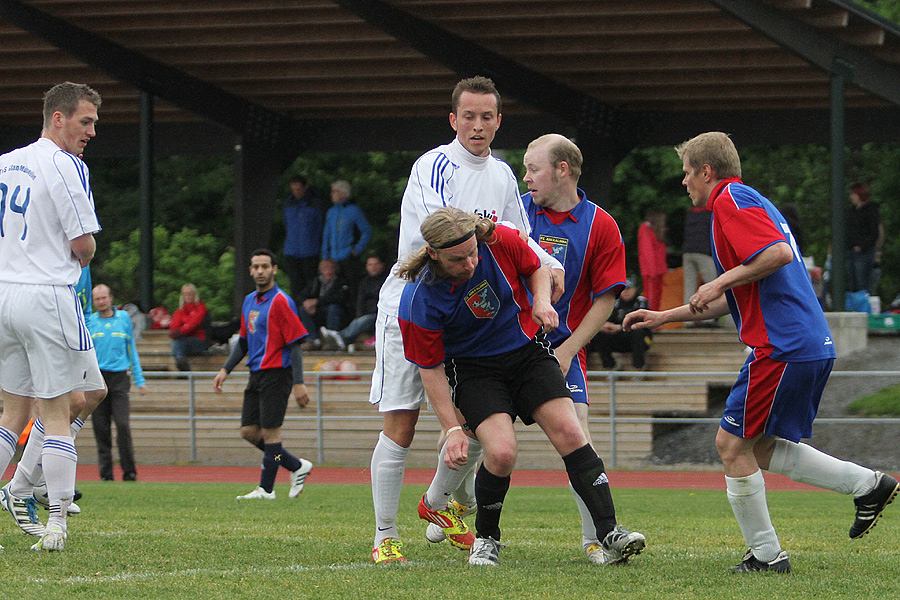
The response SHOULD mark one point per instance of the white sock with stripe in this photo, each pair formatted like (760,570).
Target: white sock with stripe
(29,470)
(59,459)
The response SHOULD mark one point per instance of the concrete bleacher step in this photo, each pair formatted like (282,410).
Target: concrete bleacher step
(350,427)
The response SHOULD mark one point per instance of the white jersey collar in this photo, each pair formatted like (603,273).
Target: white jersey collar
(466,158)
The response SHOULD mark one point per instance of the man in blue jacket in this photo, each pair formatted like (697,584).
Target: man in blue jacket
(302,234)
(346,233)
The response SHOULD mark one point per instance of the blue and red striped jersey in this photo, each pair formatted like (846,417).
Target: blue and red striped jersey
(486,315)
(779,312)
(588,243)
(269,323)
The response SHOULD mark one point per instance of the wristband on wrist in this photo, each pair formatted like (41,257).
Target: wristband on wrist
(455,428)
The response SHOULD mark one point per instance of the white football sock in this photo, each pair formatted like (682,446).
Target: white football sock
(59,459)
(76,426)
(588,530)
(388,464)
(747,496)
(445,481)
(465,493)
(29,470)
(803,463)
(8,442)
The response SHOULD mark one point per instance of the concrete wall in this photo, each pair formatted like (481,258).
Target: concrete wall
(850,331)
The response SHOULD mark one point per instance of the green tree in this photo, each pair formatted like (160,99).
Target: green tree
(184,256)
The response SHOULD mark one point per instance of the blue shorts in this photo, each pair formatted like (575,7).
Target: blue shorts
(776,398)
(576,378)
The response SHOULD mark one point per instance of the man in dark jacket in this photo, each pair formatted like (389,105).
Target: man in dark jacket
(326,301)
(366,307)
(862,234)
(611,338)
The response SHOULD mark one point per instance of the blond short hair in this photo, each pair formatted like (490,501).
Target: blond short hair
(714,149)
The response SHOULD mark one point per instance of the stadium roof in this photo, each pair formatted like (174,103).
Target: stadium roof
(375,74)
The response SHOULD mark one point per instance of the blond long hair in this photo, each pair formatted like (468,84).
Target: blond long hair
(440,230)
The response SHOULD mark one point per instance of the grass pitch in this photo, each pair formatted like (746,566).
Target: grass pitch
(178,540)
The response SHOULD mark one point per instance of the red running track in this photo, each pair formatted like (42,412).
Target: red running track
(681,480)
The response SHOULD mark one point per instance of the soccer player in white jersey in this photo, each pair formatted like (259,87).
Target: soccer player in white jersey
(47,222)
(463,174)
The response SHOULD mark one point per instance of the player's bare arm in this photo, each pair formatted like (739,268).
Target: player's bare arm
(219,380)
(438,390)
(542,311)
(83,248)
(592,323)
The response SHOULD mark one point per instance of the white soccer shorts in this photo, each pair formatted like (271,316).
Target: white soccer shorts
(396,383)
(45,347)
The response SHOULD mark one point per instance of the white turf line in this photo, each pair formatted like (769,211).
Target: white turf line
(226,572)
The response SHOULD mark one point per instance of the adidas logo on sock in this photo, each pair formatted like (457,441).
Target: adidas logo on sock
(601,480)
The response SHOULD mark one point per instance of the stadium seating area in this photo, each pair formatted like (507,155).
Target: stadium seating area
(162,430)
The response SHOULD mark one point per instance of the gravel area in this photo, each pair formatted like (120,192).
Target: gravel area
(872,445)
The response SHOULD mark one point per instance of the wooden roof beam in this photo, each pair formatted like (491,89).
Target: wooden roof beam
(869,72)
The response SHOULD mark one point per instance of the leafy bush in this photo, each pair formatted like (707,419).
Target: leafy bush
(185,256)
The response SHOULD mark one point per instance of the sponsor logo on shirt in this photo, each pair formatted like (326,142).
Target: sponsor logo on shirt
(492,215)
(828,342)
(251,323)
(483,302)
(554,246)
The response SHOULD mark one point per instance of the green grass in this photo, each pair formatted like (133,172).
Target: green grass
(883,403)
(152,541)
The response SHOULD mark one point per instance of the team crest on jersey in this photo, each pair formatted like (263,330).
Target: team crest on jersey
(554,246)
(483,302)
(251,323)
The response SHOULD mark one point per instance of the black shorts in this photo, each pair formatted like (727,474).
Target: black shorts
(266,398)
(514,383)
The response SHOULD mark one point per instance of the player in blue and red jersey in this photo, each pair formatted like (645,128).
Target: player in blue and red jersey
(467,323)
(764,284)
(271,333)
(587,241)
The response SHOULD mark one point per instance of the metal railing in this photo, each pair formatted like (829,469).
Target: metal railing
(321,379)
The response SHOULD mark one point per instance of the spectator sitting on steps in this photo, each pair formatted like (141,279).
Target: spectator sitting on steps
(188,327)
(611,338)
(366,307)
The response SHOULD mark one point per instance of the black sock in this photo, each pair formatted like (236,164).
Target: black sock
(490,491)
(588,477)
(286,459)
(270,464)
(261,444)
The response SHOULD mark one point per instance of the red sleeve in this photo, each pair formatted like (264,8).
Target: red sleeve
(192,320)
(176,322)
(523,258)
(243,332)
(424,347)
(607,254)
(749,231)
(290,329)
